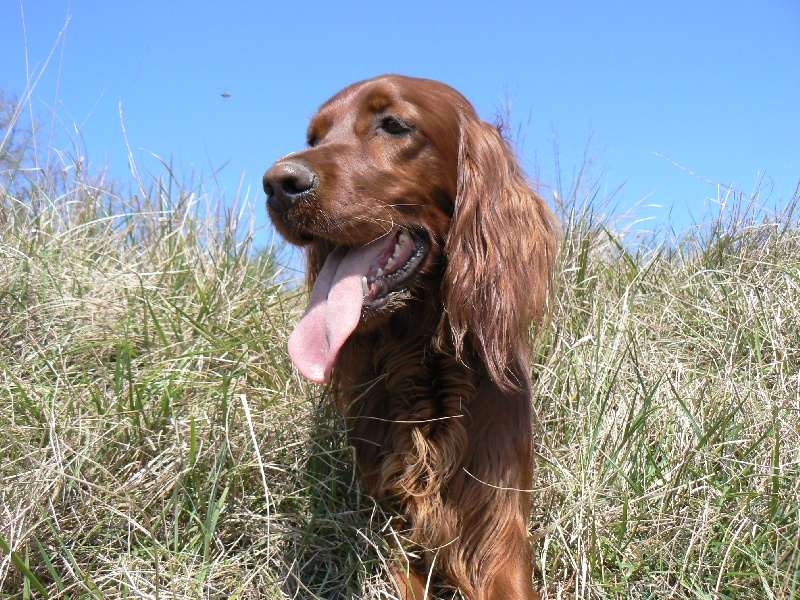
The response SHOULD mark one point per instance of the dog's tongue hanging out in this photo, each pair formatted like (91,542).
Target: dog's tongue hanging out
(334,308)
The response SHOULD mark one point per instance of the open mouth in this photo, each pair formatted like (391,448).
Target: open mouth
(394,266)
(352,280)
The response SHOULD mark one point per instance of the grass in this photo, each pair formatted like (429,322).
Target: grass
(670,412)
(156,443)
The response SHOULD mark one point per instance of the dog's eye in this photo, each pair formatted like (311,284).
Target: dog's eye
(312,140)
(394,126)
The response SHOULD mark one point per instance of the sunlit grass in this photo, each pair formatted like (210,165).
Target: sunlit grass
(670,411)
(156,443)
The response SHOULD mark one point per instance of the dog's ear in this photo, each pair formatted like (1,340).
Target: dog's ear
(500,251)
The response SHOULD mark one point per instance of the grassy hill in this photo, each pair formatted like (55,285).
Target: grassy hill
(156,443)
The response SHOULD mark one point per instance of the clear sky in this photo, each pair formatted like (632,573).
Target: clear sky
(712,85)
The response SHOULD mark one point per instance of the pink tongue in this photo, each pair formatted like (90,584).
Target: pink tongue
(334,309)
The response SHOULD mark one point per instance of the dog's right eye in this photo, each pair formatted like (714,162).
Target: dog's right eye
(312,140)
(394,126)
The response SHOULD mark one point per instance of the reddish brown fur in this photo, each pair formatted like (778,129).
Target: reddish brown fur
(435,386)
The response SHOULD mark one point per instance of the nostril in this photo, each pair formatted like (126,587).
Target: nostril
(291,187)
(299,178)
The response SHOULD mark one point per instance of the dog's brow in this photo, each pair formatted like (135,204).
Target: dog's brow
(319,126)
(377,102)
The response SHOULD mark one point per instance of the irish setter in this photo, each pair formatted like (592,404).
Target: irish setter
(429,257)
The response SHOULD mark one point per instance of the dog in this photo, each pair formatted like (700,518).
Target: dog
(429,256)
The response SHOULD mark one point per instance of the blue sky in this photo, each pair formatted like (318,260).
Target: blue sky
(713,86)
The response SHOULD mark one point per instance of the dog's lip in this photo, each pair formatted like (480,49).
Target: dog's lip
(379,286)
(381,283)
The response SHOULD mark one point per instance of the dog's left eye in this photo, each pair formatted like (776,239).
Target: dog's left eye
(394,126)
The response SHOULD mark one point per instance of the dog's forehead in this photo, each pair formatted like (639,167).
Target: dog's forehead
(367,98)
(407,97)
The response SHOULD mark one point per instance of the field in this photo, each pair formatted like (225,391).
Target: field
(155,442)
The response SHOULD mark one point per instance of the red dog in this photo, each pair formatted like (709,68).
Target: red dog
(429,257)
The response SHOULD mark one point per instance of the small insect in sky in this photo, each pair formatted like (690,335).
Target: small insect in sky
(225,95)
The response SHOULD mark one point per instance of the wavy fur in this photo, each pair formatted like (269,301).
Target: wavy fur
(435,385)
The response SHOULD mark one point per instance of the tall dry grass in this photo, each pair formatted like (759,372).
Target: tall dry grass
(155,442)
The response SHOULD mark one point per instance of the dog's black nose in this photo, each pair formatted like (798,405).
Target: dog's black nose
(286,183)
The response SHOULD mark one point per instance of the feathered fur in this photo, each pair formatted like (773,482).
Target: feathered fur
(435,384)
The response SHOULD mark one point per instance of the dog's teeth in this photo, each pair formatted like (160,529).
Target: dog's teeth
(379,273)
(364,286)
(397,250)
(390,263)
(403,238)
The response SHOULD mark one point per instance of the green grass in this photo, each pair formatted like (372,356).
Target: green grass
(156,443)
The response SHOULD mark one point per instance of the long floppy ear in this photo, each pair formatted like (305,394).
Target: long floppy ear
(500,250)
